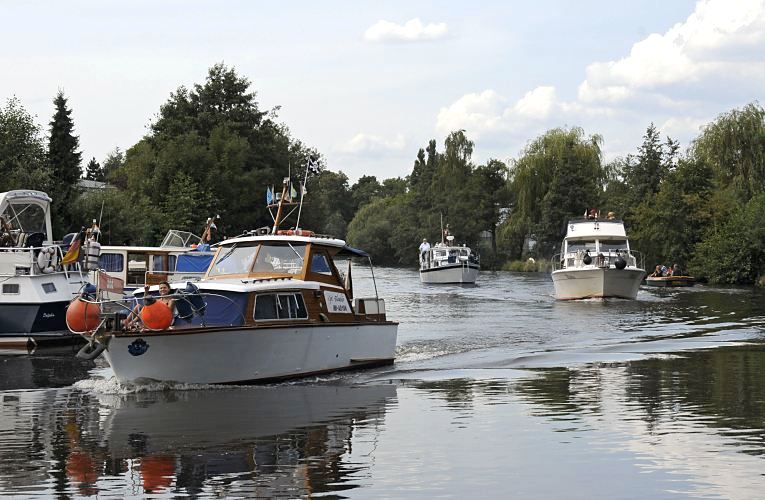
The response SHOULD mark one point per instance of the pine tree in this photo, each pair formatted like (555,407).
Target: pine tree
(93,171)
(65,161)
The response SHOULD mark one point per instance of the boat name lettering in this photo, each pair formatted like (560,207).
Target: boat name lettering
(336,302)
(48,315)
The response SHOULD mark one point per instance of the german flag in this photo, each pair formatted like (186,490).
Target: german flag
(74,249)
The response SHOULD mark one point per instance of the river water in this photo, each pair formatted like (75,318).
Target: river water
(498,391)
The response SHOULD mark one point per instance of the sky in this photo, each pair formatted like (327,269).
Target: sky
(370,83)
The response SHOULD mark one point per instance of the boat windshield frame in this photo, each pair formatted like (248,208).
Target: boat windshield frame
(262,258)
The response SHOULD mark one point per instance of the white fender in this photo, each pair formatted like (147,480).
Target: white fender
(47,260)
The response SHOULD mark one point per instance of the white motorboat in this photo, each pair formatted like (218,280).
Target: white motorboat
(596,261)
(447,262)
(272,305)
(35,288)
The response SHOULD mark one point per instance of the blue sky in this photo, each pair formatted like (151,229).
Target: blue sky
(369,83)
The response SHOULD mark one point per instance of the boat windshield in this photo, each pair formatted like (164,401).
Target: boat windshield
(27,217)
(612,245)
(280,258)
(234,260)
(576,245)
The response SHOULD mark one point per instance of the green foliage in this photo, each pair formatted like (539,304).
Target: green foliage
(23,164)
(734,147)
(65,162)
(735,251)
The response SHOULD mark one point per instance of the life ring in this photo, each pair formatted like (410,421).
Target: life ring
(47,260)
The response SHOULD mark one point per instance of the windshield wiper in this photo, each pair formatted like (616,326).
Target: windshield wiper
(228,254)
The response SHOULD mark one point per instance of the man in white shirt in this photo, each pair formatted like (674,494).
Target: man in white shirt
(424,247)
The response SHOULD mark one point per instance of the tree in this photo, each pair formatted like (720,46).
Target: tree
(23,164)
(734,147)
(65,160)
(558,176)
(94,171)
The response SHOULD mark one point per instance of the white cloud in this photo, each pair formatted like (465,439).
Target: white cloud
(537,103)
(412,31)
(689,52)
(367,143)
(682,127)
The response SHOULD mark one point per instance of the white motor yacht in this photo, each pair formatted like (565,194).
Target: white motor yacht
(596,261)
(447,262)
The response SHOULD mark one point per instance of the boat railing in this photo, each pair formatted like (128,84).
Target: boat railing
(23,261)
(600,260)
(115,313)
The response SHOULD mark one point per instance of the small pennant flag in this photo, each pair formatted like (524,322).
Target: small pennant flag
(293,193)
(269,196)
(303,190)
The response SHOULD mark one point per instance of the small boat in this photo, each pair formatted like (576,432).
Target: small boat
(596,261)
(447,262)
(669,281)
(271,306)
(35,287)
(182,256)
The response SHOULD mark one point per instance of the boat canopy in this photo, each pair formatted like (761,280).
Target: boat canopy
(348,250)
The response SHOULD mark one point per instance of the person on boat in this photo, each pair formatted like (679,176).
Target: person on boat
(668,271)
(447,232)
(424,249)
(164,291)
(676,270)
(656,272)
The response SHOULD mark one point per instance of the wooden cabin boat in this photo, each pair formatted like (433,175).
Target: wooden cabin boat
(596,261)
(35,288)
(670,281)
(272,305)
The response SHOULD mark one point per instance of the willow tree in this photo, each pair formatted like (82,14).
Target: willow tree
(23,164)
(558,176)
(734,147)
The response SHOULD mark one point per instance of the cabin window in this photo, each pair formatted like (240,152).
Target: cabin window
(162,263)
(137,266)
(280,258)
(320,264)
(11,288)
(26,217)
(612,245)
(271,306)
(49,287)
(111,262)
(576,245)
(233,260)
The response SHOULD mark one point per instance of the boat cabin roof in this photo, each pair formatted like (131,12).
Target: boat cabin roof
(595,228)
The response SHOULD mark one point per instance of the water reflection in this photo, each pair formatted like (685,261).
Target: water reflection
(22,368)
(255,441)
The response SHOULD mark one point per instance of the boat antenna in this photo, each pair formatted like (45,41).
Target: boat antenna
(442,229)
(100,218)
(302,193)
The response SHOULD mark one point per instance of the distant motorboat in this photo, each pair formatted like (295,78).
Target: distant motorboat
(447,262)
(596,261)
(35,288)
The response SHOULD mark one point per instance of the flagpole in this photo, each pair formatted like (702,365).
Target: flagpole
(302,188)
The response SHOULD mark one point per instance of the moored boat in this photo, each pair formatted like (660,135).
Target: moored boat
(272,305)
(596,261)
(35,286)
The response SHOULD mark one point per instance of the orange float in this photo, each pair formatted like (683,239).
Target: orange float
(82,316)
(157,316)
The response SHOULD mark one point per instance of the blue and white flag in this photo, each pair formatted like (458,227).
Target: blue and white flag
(269,196)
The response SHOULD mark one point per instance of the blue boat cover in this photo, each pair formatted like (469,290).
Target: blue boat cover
(193,263)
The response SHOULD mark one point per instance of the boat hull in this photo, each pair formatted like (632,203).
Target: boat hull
(597,283)
(456,273)
(245,355)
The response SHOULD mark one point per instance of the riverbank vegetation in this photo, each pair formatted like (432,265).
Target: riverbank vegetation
(212,149)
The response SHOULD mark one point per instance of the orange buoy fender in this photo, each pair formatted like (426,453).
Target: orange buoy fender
(82,316)
(157,316)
